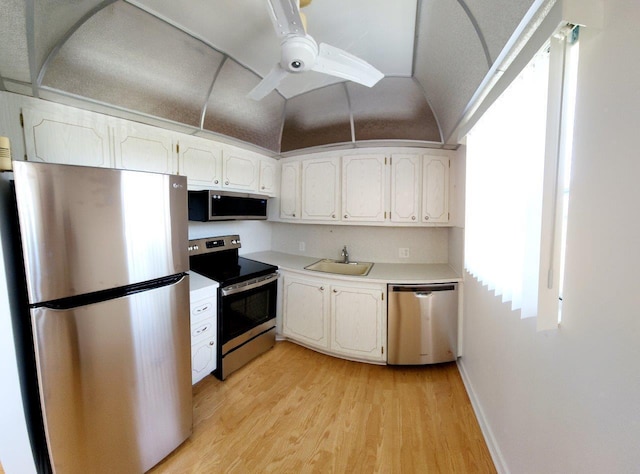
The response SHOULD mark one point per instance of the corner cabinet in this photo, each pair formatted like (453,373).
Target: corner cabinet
(268,177)
(341,318)
(290,190)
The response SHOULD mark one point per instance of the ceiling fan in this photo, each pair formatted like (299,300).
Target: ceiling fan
(301,53)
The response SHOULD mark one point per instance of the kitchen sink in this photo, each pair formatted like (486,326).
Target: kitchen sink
(336,266)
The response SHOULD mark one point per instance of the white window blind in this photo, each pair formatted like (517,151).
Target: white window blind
(505,165)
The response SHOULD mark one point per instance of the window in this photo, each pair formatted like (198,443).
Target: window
(517,158)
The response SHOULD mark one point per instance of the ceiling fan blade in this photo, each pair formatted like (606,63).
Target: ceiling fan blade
(269,83)
(286,18)
(336,62)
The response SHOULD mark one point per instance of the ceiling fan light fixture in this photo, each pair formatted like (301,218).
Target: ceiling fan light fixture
(298,53)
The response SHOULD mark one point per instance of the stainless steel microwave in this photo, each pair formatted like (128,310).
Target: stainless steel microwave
(211,205)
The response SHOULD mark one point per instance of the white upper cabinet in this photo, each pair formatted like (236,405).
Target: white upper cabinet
(79,138)
(241,171)
(405,188)
(321,189)
(364,182)
(200,161)
(144,148)
(435,189)
(268,176)
(290,190)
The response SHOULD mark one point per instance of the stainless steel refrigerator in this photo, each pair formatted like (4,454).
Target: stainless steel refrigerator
(105,256)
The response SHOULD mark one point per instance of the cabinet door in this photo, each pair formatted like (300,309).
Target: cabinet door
(435,189)
(81,138)
(203,359)
(290,191)
(200,161)
(405,188)
(240,172)
(321,189)
(305,311)
(268,176)
(363,188)
(143,148)
(357,322)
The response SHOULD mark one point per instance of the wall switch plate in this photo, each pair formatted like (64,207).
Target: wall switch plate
(302,246)
(403,252)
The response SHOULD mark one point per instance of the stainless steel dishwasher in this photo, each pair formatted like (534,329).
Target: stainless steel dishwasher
(422,324)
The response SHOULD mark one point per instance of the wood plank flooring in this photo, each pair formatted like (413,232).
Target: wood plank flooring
(294,410)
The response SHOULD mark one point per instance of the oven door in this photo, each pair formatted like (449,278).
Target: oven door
(247,310)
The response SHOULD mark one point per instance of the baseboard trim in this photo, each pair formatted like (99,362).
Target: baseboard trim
(494,449)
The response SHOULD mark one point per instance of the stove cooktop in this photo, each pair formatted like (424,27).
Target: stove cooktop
(217,258)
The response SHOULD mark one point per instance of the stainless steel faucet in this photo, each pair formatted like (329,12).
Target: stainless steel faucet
(345,255)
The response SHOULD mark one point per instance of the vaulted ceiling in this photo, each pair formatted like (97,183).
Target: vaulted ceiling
(192,63)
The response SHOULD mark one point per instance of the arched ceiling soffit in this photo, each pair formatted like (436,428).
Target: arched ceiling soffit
(192,65)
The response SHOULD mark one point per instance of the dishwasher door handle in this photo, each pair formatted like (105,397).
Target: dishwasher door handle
(423,288)
(423,294)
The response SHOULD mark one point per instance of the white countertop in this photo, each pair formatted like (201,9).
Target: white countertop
(380,273)
(201,286)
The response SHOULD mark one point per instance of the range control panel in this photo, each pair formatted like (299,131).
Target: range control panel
(214,244)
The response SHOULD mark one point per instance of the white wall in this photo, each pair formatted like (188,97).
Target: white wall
(375,244)
(568,400)
(254,235)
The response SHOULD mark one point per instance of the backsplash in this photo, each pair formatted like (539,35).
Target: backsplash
(376,244)
(255,235)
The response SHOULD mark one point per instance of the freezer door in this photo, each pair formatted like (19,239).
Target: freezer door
(89,229)
(115,380)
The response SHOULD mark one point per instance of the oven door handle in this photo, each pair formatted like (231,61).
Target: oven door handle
(250,285)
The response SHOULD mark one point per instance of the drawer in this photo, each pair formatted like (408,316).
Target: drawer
(203,309)
(203,330)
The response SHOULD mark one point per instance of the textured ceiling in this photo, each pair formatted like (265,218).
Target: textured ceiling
(192,63)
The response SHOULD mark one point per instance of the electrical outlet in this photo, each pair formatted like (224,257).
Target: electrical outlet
(403,252)
(302,246)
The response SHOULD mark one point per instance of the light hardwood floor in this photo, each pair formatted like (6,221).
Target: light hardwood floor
(293,410)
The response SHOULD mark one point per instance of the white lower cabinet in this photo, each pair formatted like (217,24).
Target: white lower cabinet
(338,317)
(203,311)
(305,309)
(357,321)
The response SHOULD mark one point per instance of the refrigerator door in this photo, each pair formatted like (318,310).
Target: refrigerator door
(115,380)
(89,229)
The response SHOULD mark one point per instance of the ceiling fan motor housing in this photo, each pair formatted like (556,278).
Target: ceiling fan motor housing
(298,53)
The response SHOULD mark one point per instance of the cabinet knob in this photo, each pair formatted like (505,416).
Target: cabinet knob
(413,218)
(346,216)
(294,214)
(335,291)
(226,182)
(426,218)
(211,343)
(322,288)
(216,181)
(333,216)
(262,187)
